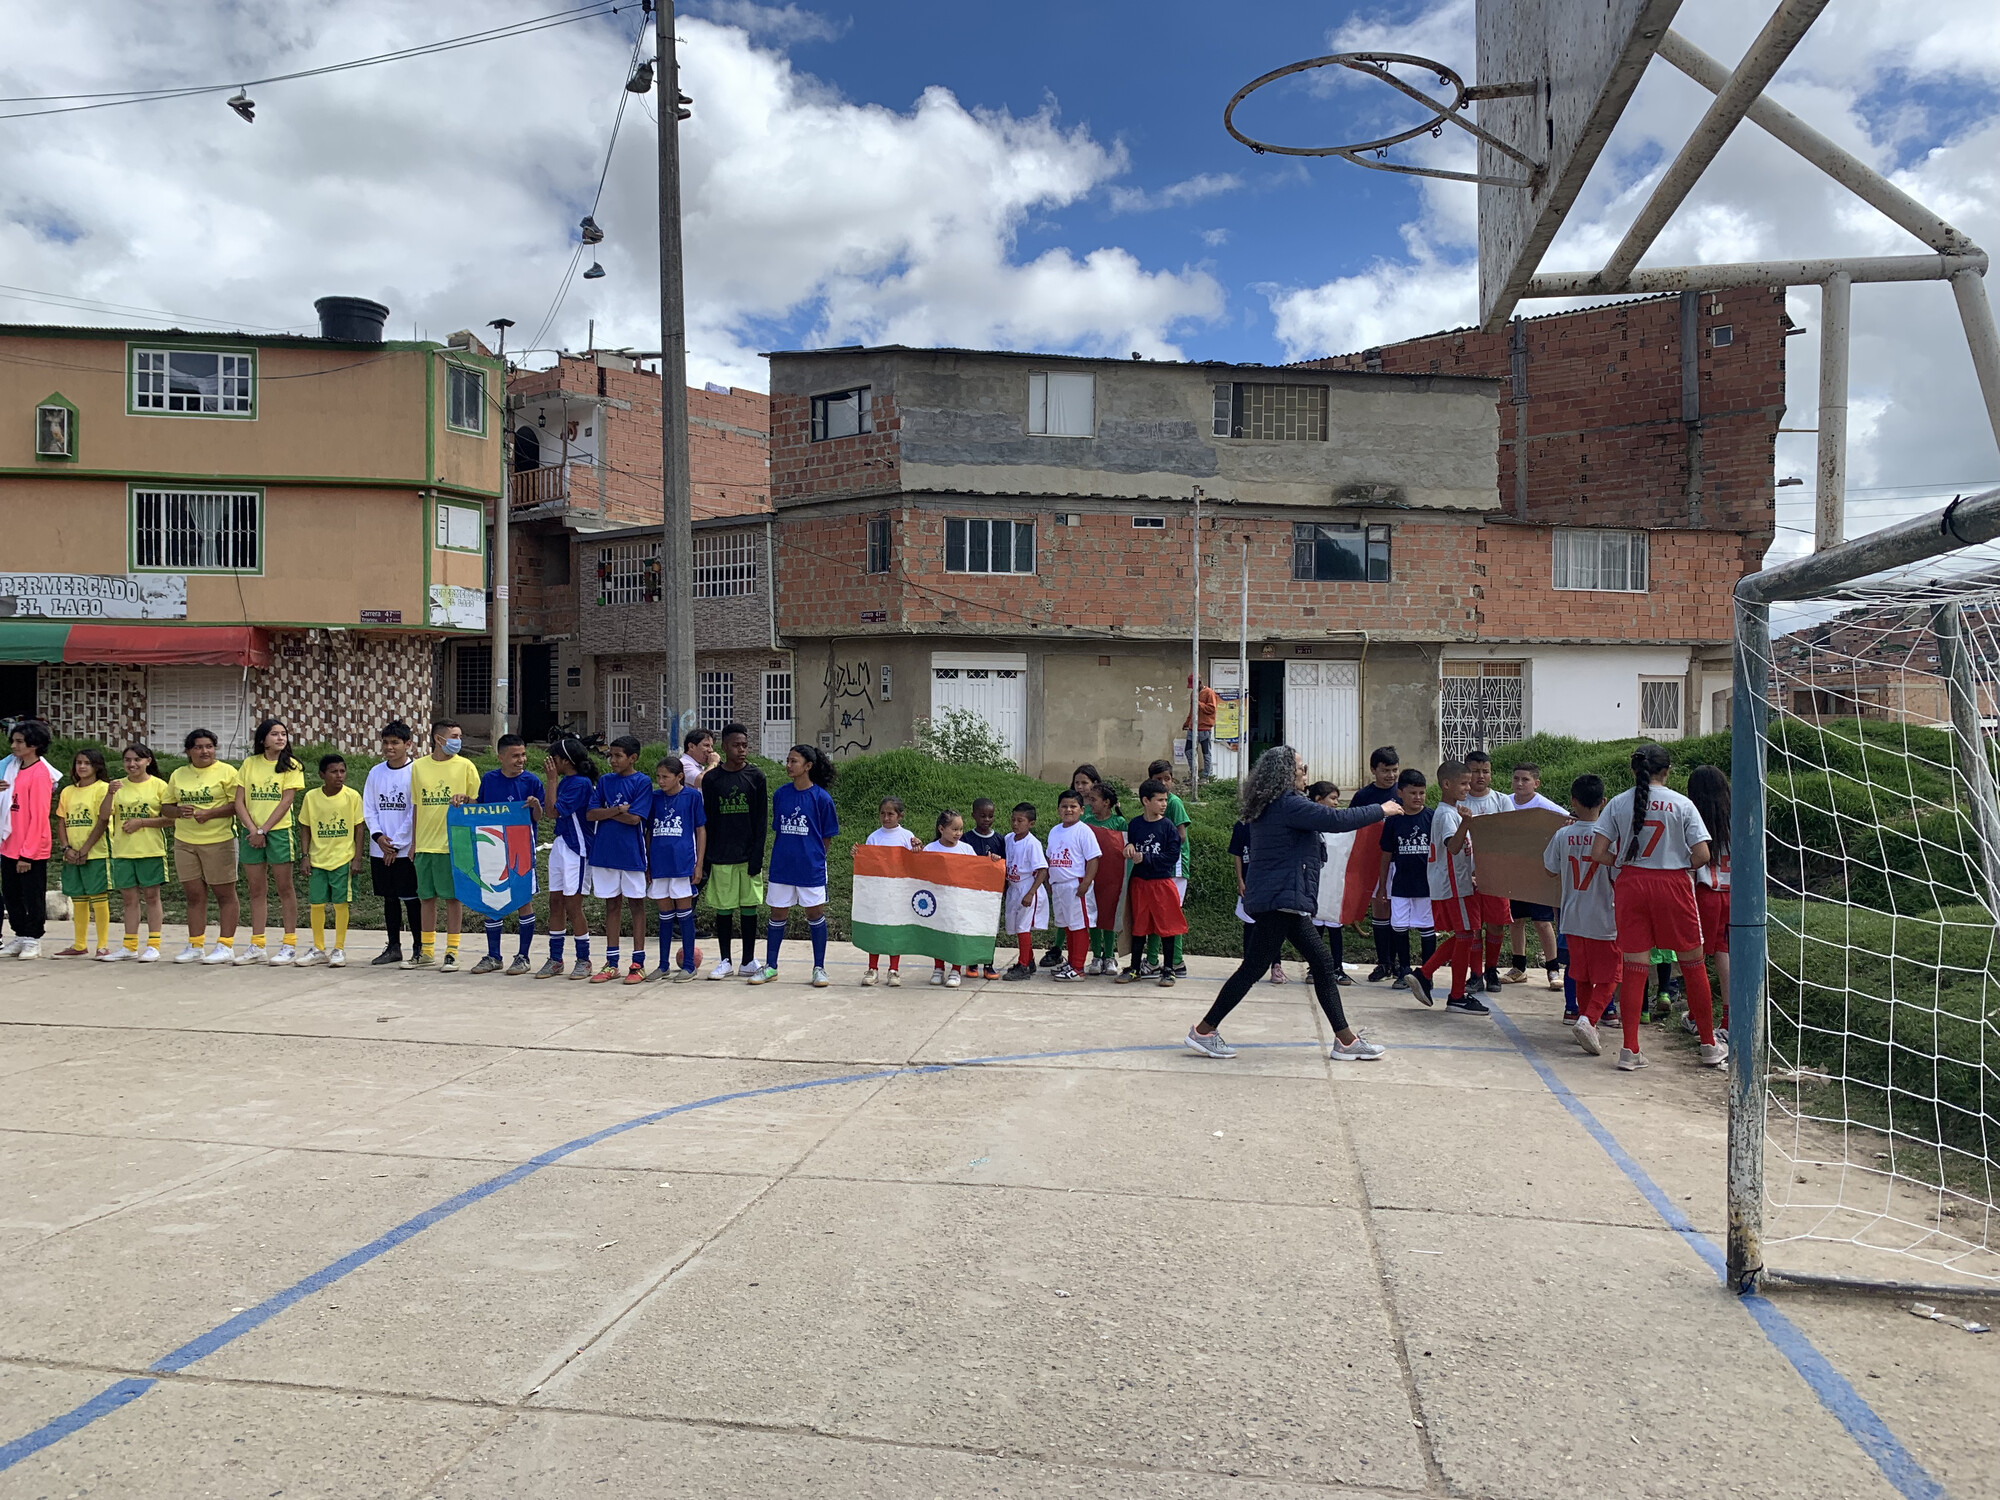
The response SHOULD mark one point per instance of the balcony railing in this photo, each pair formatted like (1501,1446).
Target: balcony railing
(551,485)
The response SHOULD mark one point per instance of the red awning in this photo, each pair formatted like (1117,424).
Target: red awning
(169,645)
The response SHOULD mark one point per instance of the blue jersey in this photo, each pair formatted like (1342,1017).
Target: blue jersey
(670,833)
(572,801)
(621,846)
(802,822)
(497,786)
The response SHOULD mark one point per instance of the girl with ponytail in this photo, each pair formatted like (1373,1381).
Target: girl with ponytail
(1652,839)
(573,773)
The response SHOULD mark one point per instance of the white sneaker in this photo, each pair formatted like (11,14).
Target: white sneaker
(115,956)
(188,955)
(819,979)
(1587,1037)
(311,958)
(1358,1050)
(32,948)
(937,976)
(221,956)
(1211,1045)
(1714,1056)
(11,947)
(871,978)
(1629,1062)
(951,980)
(337,959)
(285,957)
(895,979)
(149,955)
(250,955)
(722,970)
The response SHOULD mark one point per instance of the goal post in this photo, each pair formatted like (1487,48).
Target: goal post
(1864,993)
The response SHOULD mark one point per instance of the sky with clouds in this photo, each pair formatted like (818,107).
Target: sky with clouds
(1034,176)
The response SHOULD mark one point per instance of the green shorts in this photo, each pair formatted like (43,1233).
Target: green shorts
(434,877)
(137,874)
(325,887)
(277,850)
(733,888)
(91,878)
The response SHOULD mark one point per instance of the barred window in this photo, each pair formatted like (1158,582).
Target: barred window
(1276,413)
(193,381)
(197,531)
(474,684)
(717,701)
(1610,561)
(982,546)
(725,564)
(628,573)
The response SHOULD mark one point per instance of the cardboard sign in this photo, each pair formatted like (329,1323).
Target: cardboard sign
(492,855)
(1507,855)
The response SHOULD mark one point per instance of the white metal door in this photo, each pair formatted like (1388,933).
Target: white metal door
(995,687)
(1226,677)
(180,699)
(1323,719)
(617,705)
(778,719)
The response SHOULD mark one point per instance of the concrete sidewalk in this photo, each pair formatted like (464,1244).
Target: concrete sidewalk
(834,1261)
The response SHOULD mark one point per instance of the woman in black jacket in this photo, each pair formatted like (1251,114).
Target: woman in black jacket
(1281,891)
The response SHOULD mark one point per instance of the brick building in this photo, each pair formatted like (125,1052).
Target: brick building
(586,648)
(1014,534)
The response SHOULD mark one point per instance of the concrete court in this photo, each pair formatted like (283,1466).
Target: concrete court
(1116,1273)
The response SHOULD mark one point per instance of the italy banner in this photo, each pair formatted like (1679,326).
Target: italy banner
(492,855)
(944,906)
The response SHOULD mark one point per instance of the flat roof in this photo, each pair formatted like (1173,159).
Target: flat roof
(186,335)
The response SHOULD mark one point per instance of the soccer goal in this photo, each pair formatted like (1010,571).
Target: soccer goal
(1864,1134)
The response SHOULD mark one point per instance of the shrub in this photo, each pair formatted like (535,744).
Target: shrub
(961,738)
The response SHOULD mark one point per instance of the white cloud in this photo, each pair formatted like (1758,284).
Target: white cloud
(1131,200)
(1214,238)
(450,188)
(781,26)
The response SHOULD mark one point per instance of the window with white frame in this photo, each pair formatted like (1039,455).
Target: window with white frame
(725,564)
(1606,561)
(840,414)
(1481,704)
(460,527)
(628,573)
(1660,707)
(197,531)
(777,697)
(194,382)
(55,429)
(618,702)
(717,701)
(465,399)
(977,545)
(1062,405)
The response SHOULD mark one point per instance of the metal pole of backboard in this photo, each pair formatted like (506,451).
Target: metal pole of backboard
(1194,676)
(1748,943)
(1243,674)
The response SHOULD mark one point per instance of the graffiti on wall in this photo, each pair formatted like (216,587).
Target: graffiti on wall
(849,700)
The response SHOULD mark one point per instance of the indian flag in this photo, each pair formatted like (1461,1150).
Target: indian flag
(944,906)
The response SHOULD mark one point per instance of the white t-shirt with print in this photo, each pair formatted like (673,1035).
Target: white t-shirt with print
(1450,874)
(1069,852)
(1538,800)
(1492,802)
(1673,828)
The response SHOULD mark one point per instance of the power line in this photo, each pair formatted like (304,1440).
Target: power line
(121,309)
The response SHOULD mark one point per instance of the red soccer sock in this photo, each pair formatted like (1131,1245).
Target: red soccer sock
(895,963)
(1495,941)
(1440,956)
(1701,1000)
(1632,1002)
(1079,948)
(1593,998)
(875,962)
(1027,950)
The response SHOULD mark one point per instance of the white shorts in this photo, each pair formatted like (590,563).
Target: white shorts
(1067,910)
(569,875)
(605,884)
(671,888)
(1180,889)
(1410,913)
(779,896)
(1021,916)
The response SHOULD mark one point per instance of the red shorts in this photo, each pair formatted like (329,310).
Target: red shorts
(1492,911)
(1655,909)
(1713,905)
(1594,960)
(1156,908)
(1455,914)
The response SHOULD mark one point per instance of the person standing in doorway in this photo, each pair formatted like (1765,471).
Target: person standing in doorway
(1200,725)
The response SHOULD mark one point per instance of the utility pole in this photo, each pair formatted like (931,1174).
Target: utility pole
(677,539)
(1194,682)
(503,516)
(1243,674)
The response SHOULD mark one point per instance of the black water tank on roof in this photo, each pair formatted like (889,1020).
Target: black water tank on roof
(353,320)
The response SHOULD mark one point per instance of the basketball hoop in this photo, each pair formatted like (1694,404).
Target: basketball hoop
(1375,65)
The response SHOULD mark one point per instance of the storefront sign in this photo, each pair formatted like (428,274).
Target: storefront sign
(381,617)
(457,607)
(93,596)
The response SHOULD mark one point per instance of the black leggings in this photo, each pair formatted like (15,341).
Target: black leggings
(1263,941)
(24,895)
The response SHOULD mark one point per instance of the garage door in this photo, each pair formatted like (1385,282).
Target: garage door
(179,699)
(994,687)
(1323,719)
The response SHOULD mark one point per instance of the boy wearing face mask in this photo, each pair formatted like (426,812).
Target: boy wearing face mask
(438,782)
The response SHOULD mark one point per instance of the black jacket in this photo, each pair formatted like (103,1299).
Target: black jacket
(1282,873)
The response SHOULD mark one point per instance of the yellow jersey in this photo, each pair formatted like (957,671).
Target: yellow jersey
(138,799)
(433,783)
(78,807)
(331,820)
(214,787)
(264,786)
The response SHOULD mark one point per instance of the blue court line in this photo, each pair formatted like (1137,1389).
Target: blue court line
(125,1391)
(1868,1430)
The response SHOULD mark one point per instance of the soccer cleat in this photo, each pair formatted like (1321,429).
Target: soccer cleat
(937,975)
(953,980)
(1020,971)
(722,970)
(1132,976)
(1629,1062)
(1470,1005)
(149,955)
(1148,970)
(188,955)
(551,968)
(1211,1045)
(1064,974)
(895,979)
(1713,1056)
(519,966)
(580,969)
(219,956)
(1418,983)
(764,976)
(683,976)
(487,965)
(251,955)
(1358,1050)
(605,974)
(987,971)
(635,974)
(449,964)
(312,958)
(1492,978)
(1166,979)
(1587,1037)
(1180,972)
(337,959)
(393,954)
(285,957)
(871,979)
(819,979)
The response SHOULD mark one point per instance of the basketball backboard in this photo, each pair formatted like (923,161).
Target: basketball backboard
(1587,57)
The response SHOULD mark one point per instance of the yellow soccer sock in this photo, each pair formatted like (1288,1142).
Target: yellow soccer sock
(292,938)
(430,942)
(340,924)
(451,942)
(319,926)
(100,907)
(131,942)
(152,940)
(79,913)
(256,939)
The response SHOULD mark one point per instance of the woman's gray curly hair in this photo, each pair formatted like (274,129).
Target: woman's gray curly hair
(1276,773)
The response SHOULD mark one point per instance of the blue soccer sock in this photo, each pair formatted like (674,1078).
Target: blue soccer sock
(687,940)
(610,953)
(774,935)
(493,937)
(556,940)
(527,933)
(582,948)
(818,931)
(669,923)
